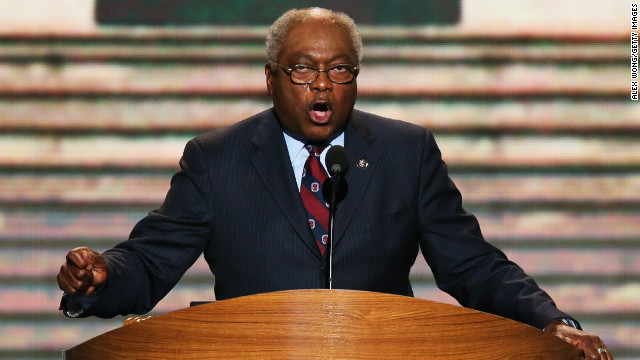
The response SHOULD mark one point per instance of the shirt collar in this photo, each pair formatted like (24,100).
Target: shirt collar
(295,146)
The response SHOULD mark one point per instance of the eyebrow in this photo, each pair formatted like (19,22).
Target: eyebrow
(312,58)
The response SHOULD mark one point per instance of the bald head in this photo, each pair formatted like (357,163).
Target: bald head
(280,29)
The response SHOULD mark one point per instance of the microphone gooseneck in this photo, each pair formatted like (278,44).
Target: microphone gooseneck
(337,162)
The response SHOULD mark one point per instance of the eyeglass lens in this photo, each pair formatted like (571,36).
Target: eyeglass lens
(306,75)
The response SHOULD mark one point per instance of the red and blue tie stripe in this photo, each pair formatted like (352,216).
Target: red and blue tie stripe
(313,177)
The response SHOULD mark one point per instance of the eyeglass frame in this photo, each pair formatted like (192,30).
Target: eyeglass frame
(355,71)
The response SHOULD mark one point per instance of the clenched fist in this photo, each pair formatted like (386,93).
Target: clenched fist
(84,271)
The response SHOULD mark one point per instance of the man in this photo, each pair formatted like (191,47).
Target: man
(242,198)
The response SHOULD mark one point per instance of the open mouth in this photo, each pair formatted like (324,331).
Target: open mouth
(320,113)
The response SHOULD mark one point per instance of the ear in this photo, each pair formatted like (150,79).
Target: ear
(269,77)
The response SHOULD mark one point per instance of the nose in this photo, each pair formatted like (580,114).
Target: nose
(322,82)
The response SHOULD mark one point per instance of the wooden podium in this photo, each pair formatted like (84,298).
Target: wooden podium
(325,324)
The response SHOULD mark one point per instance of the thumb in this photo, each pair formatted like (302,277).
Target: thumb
(92,262)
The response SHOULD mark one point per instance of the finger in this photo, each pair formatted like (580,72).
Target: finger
(84,258)
(63,284)
(68,283)
(602,350)
(598,350)
(586,344)
(601,355)
(607,354)
(74,285)
(81,274)
(77,257)
(96,262)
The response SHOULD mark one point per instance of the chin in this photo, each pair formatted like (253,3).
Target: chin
(318,135)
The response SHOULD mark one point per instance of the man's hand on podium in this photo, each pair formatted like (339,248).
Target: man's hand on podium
(84,272)
(592,345)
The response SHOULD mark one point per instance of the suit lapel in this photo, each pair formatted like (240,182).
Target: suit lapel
(360,144)
(270,160)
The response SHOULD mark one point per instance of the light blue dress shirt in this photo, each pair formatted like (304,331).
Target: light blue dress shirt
(298,154)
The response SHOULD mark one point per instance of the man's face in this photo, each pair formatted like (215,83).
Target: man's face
(318,110)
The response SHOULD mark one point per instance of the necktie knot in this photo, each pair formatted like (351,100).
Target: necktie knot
(315,149)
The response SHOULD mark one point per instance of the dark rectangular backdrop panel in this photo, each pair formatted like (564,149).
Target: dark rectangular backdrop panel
(259,12)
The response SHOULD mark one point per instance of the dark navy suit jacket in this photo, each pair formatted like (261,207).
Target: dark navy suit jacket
(236,200)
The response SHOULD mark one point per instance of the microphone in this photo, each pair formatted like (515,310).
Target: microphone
(337,162)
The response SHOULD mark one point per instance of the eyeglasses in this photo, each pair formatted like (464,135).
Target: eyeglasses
(305,74)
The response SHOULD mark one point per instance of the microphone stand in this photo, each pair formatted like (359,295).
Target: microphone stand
(335,183)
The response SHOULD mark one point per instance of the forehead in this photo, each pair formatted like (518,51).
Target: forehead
(318,39)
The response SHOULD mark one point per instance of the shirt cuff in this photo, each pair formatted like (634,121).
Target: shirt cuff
(569,322)
(74,305)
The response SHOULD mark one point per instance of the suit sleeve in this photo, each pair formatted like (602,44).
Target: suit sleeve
(464,265)
(162,246)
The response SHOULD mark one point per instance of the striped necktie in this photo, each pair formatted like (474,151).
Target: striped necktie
(313,176)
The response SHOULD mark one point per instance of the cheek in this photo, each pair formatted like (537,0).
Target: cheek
(292,95)
(347,97)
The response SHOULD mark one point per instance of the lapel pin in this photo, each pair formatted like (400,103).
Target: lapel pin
(362,164)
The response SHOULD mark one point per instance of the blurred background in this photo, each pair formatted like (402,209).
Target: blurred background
(528,100)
